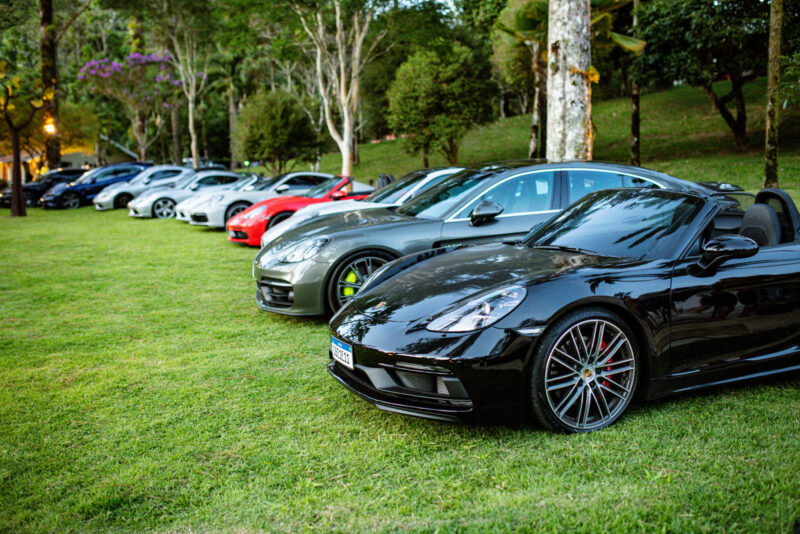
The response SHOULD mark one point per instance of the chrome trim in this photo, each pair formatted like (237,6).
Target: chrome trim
(453,218)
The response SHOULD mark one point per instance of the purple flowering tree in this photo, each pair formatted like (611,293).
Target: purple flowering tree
(143,84)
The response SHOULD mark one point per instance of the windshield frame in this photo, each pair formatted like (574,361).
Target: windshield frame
(338,183)
(706,207)
(405,185)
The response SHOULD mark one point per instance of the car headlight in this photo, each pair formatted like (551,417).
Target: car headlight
(254,212)
(480,312)
(304,250)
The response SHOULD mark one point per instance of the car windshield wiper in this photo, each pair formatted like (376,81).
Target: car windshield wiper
(567,249)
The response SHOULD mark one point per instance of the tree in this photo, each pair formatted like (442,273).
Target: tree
(701,42)
(22,95)
(273,129)
(773,77)
(527,24)
(437,95)
(636,157)
(50,37)
(142,84)
(569,104)
(339,58)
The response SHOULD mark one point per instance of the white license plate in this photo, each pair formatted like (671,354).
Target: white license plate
(342,352)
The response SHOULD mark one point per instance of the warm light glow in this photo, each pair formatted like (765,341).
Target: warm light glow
(50,128)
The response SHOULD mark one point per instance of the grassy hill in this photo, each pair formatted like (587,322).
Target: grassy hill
(681,134)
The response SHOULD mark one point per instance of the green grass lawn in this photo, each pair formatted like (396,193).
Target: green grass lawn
(141,389)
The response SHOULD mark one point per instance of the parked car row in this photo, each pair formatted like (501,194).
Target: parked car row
(555,291)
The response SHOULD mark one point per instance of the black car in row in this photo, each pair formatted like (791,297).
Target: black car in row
(33,191)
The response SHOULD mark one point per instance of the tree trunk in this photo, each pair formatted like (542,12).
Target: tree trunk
(635,154)
(177,156)
(773,77)
(17,198)
(49,60)
(231,122)
(204,137)
(193,134)
(569,127)
(636,158)
(738,124)
(425,162)
(140,133)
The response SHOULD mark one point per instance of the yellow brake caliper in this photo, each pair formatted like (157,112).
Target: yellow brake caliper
(352,278)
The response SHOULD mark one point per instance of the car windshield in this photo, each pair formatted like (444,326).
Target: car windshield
(394,191)
(262,183)
(88,175)
(451,192)
(184,182)
(323,189)
(624,223)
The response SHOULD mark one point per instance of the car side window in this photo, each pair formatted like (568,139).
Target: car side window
(225,179)
(582,182)
(635,181)
(304,181)
(521,194)
(163,175)
(207,181)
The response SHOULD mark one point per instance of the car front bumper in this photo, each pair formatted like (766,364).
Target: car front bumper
(51,202)
(291,288)
(104,204)
(471,387)
(142,211)
(205,216)
(249,234)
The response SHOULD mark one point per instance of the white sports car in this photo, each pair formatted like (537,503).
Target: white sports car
(160,202)
(215,209)
(394,194)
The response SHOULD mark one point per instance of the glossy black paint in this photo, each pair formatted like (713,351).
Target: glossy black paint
(695,327)
(33,191)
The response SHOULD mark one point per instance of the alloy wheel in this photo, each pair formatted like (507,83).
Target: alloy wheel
(590,375)
(353,276)
(70,201)
(164,208)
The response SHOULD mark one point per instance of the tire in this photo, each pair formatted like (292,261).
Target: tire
(278,217)
(70,201)
(235,209)
(349,275)
(121,200)
(29,199)
(572,387)
(164,208)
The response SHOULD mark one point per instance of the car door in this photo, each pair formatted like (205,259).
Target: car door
(743,318)
(528,198)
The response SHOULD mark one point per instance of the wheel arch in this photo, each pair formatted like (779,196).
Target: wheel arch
(346,256)
(645,342)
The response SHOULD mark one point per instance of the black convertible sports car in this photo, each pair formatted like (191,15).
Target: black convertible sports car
(654,291)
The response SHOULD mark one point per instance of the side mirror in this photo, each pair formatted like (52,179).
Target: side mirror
(194,187)
(281,189)
(486,211)
(724,248)
(147,181)
(338,195)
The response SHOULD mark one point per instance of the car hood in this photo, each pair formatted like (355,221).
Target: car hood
(356,222)
(433,281)
(57,189)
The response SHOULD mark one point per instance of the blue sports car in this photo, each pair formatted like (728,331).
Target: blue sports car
(84,189)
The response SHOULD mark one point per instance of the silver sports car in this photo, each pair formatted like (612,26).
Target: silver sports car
(161,201)
(321,264)
(117,196)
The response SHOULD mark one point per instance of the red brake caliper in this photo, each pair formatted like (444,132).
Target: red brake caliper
(602,348)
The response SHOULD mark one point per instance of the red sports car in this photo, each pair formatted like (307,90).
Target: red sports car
(248,226)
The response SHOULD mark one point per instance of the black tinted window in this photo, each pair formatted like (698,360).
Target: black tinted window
(624,223)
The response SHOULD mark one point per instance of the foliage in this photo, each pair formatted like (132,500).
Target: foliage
(408,29)
(437,96)
(273,129)
(790,82)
